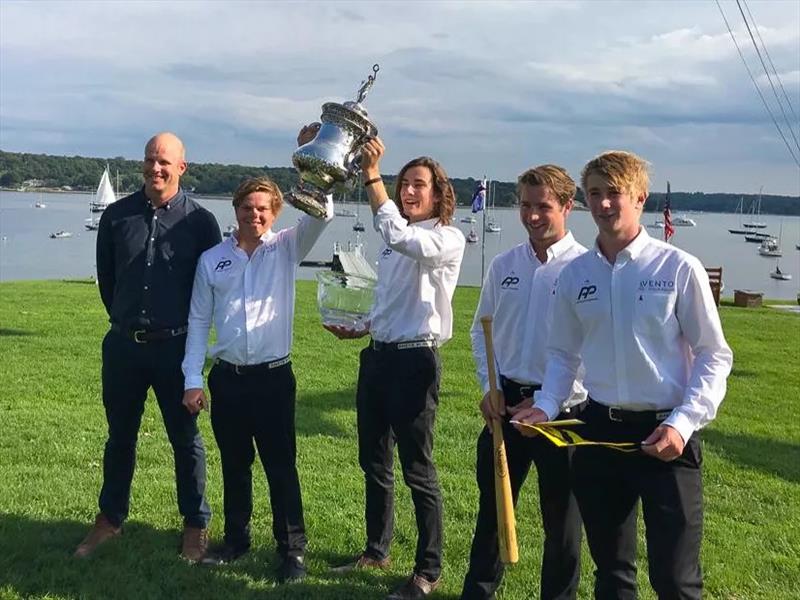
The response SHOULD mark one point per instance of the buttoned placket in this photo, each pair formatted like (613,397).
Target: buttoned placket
(150,252)
(248,283)
(618,310)
(530,315)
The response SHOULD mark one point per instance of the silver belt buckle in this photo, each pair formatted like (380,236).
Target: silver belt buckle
(136,336)
(612,414)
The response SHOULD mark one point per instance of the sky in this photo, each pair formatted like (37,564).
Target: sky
(484,87)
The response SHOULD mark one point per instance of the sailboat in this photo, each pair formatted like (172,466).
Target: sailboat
(40,203)
(104,195)
(778,274)
(491,224)
(472,236)
(740,210)
(755,211)
(358,225)
(772,246)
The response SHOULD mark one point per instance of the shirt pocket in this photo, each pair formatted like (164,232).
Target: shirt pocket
(654,313)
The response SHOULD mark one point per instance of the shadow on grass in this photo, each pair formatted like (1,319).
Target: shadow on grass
(15,332)
(312,410)
(774,457)
(35,560)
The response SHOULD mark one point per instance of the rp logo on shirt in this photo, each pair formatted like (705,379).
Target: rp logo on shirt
(510,282)
(587,293)
(386,252)
(222,265)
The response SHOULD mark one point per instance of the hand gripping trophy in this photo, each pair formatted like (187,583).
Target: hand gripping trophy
(331,161)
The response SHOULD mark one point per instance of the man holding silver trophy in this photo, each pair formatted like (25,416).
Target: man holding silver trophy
(244,286)
(400,369)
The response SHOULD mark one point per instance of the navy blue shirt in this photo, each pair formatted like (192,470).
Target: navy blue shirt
(146,258)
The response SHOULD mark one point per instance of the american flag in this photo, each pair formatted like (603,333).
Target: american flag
(669,230)
(479,197)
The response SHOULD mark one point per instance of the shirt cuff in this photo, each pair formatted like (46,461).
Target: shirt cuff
(193,382)
(681,423)
(546,404)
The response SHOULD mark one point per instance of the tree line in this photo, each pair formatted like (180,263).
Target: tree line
(81,173)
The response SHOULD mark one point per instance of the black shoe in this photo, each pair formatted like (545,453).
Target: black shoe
(292,569)
(223,554)
(414,588)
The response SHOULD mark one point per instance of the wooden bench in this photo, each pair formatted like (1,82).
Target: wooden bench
(715,280)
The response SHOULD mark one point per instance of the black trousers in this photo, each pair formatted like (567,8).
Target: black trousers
(129,370)
(398,392)
(561,521)
(609,484)
(258,407)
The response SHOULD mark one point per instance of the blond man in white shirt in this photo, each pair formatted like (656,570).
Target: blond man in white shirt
(398,381)
(518,293)
(245,288)
(641,316)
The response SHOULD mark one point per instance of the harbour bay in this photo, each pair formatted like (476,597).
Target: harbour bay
(27,252)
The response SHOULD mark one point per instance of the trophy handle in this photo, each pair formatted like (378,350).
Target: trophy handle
(353,159)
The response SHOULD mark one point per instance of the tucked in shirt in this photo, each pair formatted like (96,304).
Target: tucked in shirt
(648,331)
(249,299)
(146,259)
(418,268)
(518,293)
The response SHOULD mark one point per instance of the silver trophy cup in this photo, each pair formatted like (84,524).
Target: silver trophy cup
(331,161)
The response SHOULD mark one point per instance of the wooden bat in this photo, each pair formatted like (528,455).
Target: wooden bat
(506,524)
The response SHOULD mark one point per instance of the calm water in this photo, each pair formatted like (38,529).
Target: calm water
(26,251)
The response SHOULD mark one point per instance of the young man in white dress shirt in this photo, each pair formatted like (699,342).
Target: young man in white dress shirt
(640,314)
(517,293)
(245,287)
(398,379)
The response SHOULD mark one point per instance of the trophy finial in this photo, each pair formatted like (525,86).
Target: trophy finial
(367,85)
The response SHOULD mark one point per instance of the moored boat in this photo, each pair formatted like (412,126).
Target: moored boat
(60,235)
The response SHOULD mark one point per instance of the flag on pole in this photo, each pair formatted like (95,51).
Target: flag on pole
(479,197)
(669,230)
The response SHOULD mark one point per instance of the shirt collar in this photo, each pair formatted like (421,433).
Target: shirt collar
(554,250)
(169,204)
(632,250)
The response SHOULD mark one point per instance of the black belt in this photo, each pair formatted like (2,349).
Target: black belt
(250,369)
(376,345)
(142,336)
(620,415)
(524,390)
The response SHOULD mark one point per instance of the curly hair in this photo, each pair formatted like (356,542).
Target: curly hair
(442,188)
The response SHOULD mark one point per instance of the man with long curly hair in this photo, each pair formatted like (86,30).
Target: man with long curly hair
(400,371)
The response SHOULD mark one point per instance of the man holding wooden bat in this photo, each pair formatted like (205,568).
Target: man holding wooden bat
(639,316)
(517,294)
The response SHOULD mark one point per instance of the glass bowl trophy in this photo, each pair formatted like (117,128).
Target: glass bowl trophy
(331,161)
(345,300)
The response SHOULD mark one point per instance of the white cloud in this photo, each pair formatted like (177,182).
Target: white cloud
(484,86)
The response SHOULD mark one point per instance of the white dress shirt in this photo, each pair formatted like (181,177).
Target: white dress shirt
(249,299)
(417,274)
(518,293)
(648,331)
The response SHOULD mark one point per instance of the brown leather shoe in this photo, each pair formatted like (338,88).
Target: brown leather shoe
(362,561)
(101,532)
(414,588)
(195,543)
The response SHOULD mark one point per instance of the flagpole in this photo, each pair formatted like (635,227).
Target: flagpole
(483,233)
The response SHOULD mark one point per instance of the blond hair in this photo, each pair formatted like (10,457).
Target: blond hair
(622,170)
(553,177)
(259,184)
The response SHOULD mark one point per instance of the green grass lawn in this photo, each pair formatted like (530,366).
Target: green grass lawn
(52,431)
